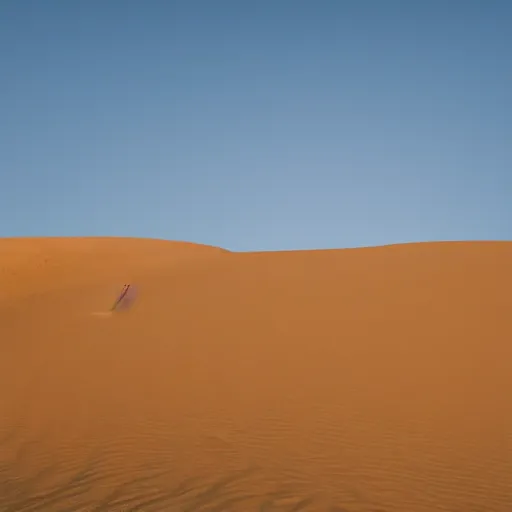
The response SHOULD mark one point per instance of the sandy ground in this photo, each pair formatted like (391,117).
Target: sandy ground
(362,380)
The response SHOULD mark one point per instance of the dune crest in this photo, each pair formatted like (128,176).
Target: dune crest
(361,380)
(29,265)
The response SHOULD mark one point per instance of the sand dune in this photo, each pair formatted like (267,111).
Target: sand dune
(360,380)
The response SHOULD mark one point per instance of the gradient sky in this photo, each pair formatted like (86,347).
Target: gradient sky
(257,125)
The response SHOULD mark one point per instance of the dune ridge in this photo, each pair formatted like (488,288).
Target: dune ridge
(360,380)
(36,264)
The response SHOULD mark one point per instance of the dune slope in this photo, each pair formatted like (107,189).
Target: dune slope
(375,379)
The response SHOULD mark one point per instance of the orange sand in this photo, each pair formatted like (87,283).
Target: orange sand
(362,380)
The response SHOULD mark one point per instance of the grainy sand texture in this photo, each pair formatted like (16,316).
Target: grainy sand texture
(361,380)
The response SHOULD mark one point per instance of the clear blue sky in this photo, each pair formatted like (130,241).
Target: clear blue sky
(257,125)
